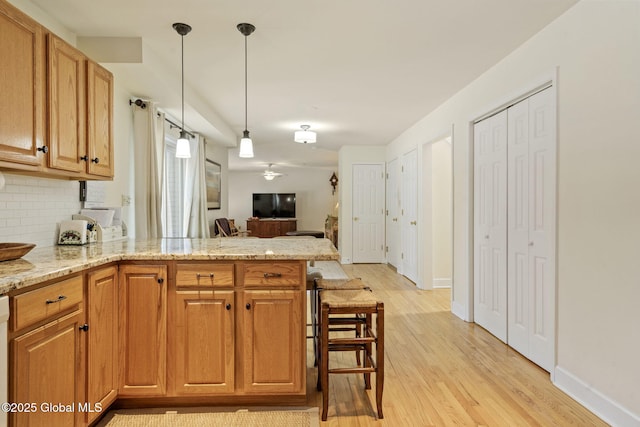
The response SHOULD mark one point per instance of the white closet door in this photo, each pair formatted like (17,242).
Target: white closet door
(531,218)
(490,224)
(368,213)
(393,213)
(409,215)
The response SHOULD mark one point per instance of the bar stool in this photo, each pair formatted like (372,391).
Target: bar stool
(320,284)
(361,305)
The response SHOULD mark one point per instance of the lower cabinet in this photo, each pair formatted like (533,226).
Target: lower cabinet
(102,340)
(273,341)
(204,342)
(48,374)
(143,330)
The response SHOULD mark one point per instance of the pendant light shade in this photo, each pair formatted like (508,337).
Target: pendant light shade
(183,150)
(246,145)
(305,136)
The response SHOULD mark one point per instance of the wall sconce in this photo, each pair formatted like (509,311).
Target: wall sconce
(334,181)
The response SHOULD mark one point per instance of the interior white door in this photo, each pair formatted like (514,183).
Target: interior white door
(490,224)
(392,214)
(531,228)
(409,215)
(368,213)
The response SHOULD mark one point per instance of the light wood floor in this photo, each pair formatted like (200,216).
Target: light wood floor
(442,371)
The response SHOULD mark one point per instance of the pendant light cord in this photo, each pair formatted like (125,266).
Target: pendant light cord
(245,83)
(182,60)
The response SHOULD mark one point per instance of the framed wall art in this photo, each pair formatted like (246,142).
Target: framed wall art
(213,175)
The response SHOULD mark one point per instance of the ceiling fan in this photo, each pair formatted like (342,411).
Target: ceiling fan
(269,174)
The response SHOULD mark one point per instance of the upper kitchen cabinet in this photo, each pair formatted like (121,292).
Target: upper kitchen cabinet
(22,85)
(99,120)
(80,112)
(56,108)
(66,68)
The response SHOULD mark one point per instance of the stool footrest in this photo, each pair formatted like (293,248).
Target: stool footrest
(352,370)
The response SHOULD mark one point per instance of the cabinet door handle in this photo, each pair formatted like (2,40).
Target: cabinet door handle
(60,298)
(161,280)
(84,327)
(85,158)
(44,149)
(248,306)
(268,275)
(96,160)
(228,306)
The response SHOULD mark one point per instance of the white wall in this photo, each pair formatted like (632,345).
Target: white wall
(441,210)
(347,157)
(594,48)
(314,200)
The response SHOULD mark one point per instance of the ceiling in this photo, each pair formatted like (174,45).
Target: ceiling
(359,72)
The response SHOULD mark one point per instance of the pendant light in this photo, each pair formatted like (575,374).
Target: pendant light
(304,136)
(182,147)
(246,145)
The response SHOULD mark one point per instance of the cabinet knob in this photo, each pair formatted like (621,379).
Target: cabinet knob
(44,149)
(84,327)
(85,158)
(248,306)
(161,280)
(228,306)
(96,160)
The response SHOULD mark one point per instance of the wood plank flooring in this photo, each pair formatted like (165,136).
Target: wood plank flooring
(441,371)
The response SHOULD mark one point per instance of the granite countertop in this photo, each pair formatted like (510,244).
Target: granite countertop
(51,262)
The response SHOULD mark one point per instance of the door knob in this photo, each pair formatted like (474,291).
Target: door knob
(414,222)
(355,218)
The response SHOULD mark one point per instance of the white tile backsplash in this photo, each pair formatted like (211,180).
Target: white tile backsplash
(31,208)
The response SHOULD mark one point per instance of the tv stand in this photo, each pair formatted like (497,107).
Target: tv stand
(271,227)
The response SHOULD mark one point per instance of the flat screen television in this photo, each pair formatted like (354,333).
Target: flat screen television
(274,205)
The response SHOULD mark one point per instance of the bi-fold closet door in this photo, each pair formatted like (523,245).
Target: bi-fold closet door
(514,226)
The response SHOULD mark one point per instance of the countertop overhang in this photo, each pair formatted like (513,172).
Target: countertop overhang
(52,262)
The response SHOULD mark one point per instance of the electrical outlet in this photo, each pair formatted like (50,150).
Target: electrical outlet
(126,200)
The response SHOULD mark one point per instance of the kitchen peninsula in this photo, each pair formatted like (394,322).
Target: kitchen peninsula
(158,322)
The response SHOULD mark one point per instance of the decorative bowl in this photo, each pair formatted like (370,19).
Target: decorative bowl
(10,251)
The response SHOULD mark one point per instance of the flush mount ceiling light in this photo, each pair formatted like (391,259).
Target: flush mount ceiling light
(305,136)
(270,175)
(246,145)
(182,147)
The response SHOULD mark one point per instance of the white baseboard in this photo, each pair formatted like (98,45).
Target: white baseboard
(604,407)
(443,282)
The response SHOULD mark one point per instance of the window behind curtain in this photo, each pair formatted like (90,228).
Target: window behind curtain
(172,193)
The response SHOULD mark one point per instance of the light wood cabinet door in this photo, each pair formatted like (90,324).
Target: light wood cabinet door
(99,121)
(66,68)
(22,89)
(102,338)
(273,338)
(143,330)
(204,346)
(48,369)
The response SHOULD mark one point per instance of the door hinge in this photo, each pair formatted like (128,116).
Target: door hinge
(402,255)
(386,248)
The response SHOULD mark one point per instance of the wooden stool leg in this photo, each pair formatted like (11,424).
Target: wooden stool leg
(367,351)
(324,360)
(379,357)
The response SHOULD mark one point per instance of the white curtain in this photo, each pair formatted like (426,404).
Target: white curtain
(148,138)
(195,224)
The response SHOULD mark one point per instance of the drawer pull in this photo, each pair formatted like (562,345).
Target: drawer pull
(198,275)
(60,298)
(268,275)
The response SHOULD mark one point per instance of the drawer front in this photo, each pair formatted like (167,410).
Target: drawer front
(34,306)
(204,275)
(288,274)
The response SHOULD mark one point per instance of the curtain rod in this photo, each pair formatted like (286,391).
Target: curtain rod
(143,104)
